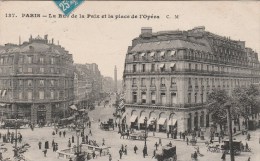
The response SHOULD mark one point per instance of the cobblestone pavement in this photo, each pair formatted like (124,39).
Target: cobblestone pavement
(112,139)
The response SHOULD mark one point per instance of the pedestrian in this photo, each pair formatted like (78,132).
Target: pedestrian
(56,147)
(100,151)
(120,153)
(248,136)
(110,157)
(93,154)
(56,130)
(154,152)
(60,133)
(64,133)
(135,148)
(167,134)
(72,139)
(40,144)
(87,138)
(45,152)
(195,155)
(69,143)
(249,159)
(46,145)
(70,159)
(156,145)
(160,141)
(170,144)
(125,149)
(1,156)
(53,148)
(235,130)
(187,140)
(53,133)
(223,157)
(90,133)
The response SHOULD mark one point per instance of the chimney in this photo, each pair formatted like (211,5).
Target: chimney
(146,30)
(19,40)
(30,39)
(52,41)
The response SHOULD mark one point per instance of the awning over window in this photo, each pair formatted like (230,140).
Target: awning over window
(3,94)
(143,96)
(0,92)
(2,104)
(172,122)
(173,52)
(172,65)
(152,53)
(162,53)
(143,54)
(134,54)
(162,65)
(141,120)
(161,121)
(73,107)
(151,120)
(133,118)
(123,116)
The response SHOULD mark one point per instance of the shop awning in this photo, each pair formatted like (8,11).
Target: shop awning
(3,94)
(162,53)
(73,107)
(172,65)
(162,65)
(143,54)
(124,114)
(161,121)
(134,54)
(133,118)
(173,52)
(141,120)
(152,53)
(172,122)
(151,120)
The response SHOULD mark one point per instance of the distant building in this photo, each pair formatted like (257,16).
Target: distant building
(115,80)
(36,79)
(94,79)
(169,74)
(107,85)
(80,89)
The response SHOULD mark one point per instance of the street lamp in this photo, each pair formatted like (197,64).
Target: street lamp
(145,136)
(15,147)
(77,134)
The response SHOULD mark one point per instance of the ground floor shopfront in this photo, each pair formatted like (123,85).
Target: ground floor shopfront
(162,119)
(34,112)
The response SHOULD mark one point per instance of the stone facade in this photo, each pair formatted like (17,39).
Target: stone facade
(36,79)
(170,73)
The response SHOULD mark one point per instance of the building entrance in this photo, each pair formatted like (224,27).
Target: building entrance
(41,114)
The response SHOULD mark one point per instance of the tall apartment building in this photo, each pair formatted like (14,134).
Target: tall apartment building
(169,74)
(36,79)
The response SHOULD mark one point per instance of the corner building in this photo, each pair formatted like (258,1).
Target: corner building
(36,80)
(169,74)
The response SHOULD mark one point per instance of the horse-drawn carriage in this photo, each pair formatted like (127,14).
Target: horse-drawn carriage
(107,125)
(167,153)
(236,146)
(14,123)
(138,135)
(66,122)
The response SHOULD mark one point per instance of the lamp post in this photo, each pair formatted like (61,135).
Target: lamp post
(77,152)
(15,146)
(232,157)
(145,134)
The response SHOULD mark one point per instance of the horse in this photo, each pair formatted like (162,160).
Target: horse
(124,134)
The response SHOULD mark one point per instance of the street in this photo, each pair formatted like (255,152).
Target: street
(112,139)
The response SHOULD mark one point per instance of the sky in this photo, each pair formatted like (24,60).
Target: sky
(105,40)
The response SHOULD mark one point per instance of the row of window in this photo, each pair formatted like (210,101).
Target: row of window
(196,81)
(163,67)
(43,70)
(153,100)
(41,95)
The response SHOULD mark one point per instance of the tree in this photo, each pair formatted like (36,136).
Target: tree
(247,101)
(223,107)
(217,101)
